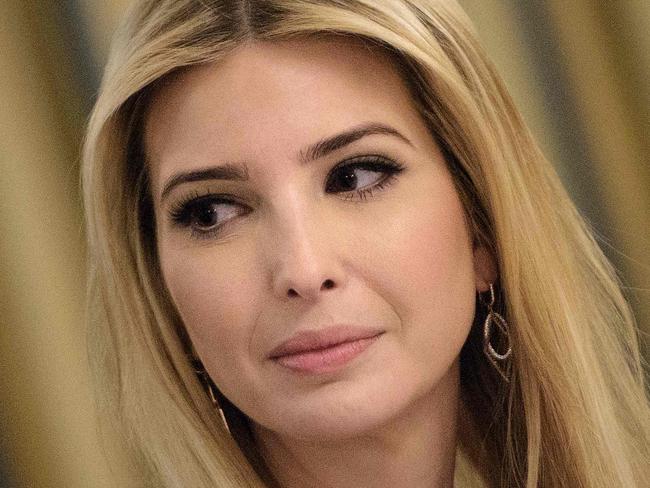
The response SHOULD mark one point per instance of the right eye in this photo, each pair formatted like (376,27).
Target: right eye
(206,215)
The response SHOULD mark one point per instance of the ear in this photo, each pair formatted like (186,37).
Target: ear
(485,268)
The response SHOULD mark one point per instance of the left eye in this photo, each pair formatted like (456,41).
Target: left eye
(357,176)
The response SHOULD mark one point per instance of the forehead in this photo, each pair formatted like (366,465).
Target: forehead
(270,97)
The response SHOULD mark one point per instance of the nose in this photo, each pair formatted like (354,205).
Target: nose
(306,259)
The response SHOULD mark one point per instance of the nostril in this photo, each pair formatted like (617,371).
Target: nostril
(328,285)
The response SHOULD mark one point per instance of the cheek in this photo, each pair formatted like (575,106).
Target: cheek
(426,241)
(429,273)
(436,251)
(214,298)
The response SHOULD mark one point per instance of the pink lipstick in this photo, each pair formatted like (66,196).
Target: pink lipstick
(324,351)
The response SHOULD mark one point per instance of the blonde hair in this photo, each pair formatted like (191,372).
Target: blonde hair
(575,412)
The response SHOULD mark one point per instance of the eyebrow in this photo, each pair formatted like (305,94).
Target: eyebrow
(320,149)
(326,146)
(228,171)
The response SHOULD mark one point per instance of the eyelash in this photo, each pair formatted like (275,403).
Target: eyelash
(182,213)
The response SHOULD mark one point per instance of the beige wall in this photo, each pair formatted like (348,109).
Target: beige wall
(47,425)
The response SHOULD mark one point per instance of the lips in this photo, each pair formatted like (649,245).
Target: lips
(325,350)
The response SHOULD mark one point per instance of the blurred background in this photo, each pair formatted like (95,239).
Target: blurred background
(578,69)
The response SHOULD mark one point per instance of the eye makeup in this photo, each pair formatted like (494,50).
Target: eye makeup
(206,215)
(345,178)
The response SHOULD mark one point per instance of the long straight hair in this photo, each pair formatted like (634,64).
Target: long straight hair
(575,412)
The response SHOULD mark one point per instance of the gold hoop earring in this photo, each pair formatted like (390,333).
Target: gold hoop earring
(497,319)
(206,381)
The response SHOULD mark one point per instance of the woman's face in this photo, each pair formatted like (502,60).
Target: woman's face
(299,197)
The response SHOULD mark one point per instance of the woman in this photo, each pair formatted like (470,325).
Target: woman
(326,252)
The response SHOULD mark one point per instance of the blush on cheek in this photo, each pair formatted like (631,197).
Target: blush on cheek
(206,300)
(434,250)
(430,253)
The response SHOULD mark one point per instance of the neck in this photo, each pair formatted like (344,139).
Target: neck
(415,449)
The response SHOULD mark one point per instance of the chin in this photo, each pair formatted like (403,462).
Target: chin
(339,412)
